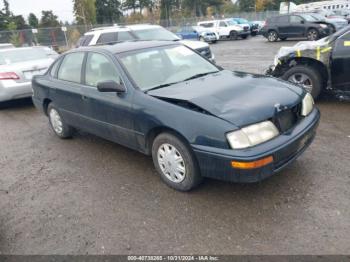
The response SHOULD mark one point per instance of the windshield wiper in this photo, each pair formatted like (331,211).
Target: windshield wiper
(169,84)
(160,86)
(200,75)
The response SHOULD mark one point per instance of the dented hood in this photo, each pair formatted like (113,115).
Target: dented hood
(236,97)
(303,46)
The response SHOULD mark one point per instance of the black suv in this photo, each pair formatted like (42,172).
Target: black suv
(294,25)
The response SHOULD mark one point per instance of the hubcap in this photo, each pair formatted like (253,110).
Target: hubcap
(312,35)
(171,163)
(272,36)
(303,80)
(56,121)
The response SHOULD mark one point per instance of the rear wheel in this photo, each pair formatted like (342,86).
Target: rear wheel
(272,36)
(58,125)
(307,77)
(312,34)
(175,162)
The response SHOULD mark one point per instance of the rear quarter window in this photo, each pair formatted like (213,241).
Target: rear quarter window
(108,38)
(70,69)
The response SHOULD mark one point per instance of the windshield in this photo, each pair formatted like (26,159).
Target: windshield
(337,34)
(242,21)
(17,55)
(309,18)
(151,68)
(158,33)
(318,17)
(231,22)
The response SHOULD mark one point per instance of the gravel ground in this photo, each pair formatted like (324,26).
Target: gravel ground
(90,196)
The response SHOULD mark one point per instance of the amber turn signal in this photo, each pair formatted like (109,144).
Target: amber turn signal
(254,164)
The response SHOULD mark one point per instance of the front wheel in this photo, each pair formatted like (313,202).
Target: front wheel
(58,125)
(312,35)
(307,77)
(244,36)
(175,162)
(233,35)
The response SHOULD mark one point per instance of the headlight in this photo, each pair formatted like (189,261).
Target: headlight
(307,105)
(252,135)
(323,26)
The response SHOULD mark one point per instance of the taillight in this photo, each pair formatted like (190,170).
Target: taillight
(8,76)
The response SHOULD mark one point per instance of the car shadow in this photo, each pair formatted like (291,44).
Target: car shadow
(17,104)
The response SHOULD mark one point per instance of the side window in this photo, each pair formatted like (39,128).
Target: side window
(125,36)
(107,38)
(55,67)
(222,24)
(295,19)
(98,69)
(282,19)
(70,69)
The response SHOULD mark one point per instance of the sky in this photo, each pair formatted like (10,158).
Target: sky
(62,8)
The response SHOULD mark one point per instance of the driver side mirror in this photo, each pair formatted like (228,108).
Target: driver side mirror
(110,86)
(302,21)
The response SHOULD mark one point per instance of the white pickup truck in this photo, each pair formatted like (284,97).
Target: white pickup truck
(226,29)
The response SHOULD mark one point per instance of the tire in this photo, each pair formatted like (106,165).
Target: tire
(272,36)
(244,36)
(213,42)
(312,34)
(316,79)
(57,123)
(283,38)
(189,175)
(233,35)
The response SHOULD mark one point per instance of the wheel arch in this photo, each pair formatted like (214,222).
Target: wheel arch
(154,132)
(46,103)
(321,67)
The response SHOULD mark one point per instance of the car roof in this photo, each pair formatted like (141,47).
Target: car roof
(24,48)
(127,46)
(123,28)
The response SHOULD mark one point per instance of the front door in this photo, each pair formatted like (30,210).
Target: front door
(340,63)
(296,26)
(108,115)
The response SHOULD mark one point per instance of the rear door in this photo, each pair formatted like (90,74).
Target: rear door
(340,63)
(282,25)
(66,86)
(107,114)
(296,26)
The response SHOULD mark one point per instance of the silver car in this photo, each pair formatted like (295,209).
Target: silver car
(18,66)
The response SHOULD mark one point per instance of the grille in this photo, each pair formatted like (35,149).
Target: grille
(205,52)
(287,119)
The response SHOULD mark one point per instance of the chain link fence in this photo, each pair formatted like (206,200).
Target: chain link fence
(66,37)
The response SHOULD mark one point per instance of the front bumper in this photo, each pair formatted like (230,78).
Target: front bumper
(244,33)
(210,38)
(10,90)
(216,163)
